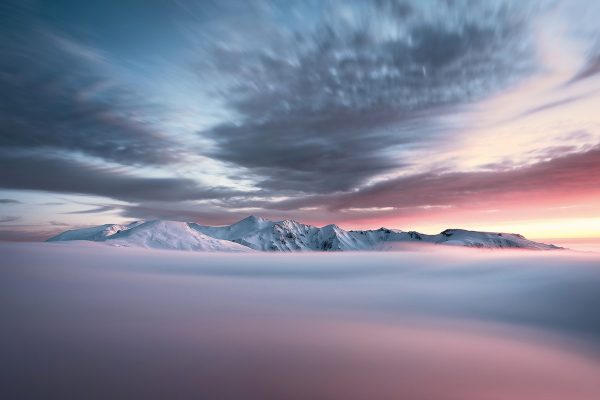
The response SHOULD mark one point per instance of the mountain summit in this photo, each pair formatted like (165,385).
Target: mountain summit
(255,233)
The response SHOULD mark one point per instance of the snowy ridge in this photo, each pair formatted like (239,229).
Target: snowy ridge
(461,237)
(255,233)
(94,233)
(157,234)
(264,235)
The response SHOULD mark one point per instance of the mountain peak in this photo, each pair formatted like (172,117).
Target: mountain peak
(332,227)
(251,219)
(290,223)
(289,235)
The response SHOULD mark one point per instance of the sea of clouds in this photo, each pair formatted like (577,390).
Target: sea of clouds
(91,321)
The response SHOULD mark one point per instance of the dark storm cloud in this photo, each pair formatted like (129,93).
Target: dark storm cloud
(320,111)
(37,172)
(56,96)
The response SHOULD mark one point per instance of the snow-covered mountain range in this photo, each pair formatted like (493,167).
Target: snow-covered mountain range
(255,233)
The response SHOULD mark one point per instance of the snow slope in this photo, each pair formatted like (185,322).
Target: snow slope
(287,236)
(461,237)
(455,237)
(153,234)
(94,233)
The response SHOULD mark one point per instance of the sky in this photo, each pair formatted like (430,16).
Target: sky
(420,115)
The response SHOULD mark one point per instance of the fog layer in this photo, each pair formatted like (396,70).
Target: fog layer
(89,321)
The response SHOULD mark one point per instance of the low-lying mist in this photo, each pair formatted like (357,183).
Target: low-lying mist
(92,321)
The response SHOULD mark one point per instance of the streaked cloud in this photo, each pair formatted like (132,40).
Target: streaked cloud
(324,109)
(330,111)
(55,174)
(58,99)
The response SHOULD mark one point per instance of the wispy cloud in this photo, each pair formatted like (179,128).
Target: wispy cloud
(58,99)
(8,218)
(56,174)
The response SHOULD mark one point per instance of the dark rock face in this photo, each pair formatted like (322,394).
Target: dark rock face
(415,235)
(327,245)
